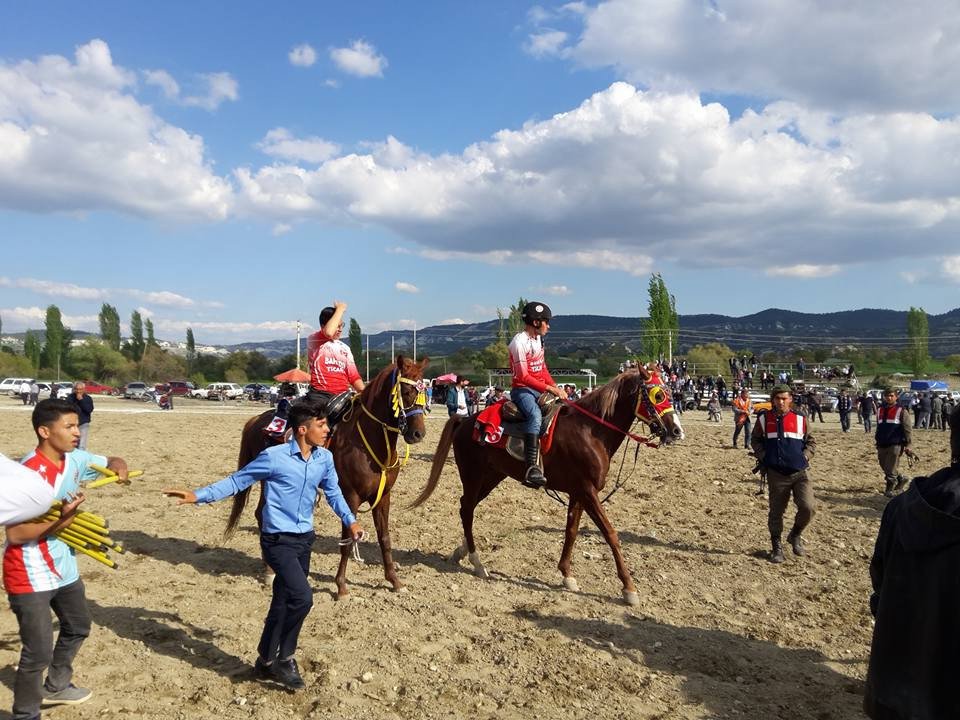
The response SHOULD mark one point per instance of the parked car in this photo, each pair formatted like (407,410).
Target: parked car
(134,390)
(179,387)
(224,391)
(95,388)
(199,393)
(64,388)
(252,390)
(11,385)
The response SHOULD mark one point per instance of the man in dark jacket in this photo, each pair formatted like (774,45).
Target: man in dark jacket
(916,593)
(844,406)
(783,447)
(893,440)
(84,405)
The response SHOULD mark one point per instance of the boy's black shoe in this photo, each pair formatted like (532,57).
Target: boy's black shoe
(262,671)
(287,674)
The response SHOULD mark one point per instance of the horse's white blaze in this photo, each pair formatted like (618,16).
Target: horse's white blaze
(478,569)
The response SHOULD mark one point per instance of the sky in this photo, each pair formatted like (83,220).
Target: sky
(233,168)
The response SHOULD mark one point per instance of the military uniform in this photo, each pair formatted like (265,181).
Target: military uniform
(894,428)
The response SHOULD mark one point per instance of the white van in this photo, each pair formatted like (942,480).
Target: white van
(11,386)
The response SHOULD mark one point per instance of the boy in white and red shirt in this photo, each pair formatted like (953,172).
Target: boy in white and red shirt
(332,367)
(40,572)
(531,378)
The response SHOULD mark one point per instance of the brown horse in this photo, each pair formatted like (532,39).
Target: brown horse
(577,463)
(364,449)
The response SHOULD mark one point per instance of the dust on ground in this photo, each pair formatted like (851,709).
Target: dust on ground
(719,632)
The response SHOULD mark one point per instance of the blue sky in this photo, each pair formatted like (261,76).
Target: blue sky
(233,168)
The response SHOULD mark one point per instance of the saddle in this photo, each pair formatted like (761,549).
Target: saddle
(499,425)
(338,405)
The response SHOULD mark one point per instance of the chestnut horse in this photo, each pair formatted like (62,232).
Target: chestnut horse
(577,463)
(364,449)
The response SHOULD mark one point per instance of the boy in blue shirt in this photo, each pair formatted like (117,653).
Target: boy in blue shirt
(292,473)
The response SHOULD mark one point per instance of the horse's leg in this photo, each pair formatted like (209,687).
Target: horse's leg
(475,488)
(574,511)
(595,510)
(381,518)
(341,577)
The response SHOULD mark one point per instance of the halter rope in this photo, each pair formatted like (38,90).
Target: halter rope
(398,408)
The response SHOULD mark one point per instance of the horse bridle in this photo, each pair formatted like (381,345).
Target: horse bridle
(401,411)
(653,404)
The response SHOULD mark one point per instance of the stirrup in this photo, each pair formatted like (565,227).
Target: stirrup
(534,478)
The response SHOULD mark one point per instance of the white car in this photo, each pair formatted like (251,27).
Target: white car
(224,391)
(11,386)
(198,393)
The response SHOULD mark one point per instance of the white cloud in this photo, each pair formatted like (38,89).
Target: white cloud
(407,287)
(74,138)
(803,271)
(331,83)
(219,87)
(302,56)
(163,80)
(164,298)
(216,88)
(281,229)
(857,55)
(951,268)
(360,59)
(546,43)
(453,321)
(629,176)
(556,290)
(17,319)
(65,290)
(281,143)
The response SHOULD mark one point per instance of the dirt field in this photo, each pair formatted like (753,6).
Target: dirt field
(719,633)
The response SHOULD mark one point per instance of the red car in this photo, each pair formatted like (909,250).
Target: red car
(95,388)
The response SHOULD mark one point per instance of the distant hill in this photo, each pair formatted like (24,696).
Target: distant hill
(771,329)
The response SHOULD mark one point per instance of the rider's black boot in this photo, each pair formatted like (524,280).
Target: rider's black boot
(531,450)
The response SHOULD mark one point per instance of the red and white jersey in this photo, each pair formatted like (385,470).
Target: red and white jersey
(48,563)
(527,363)
(332,368)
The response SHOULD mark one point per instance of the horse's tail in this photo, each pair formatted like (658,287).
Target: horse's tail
(251,445)
(439,458)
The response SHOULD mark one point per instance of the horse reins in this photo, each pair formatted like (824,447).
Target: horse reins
(401,412)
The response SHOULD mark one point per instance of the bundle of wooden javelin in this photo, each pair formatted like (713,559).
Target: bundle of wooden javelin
(87,533)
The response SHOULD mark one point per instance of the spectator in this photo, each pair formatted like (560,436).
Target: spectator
(936,409)
(813,406)
(924,408)
(25,392)
(84,405)
(844,406)
(868,408)
(34,392)
(893,440)
(457,397)
(742,407)
(915,596)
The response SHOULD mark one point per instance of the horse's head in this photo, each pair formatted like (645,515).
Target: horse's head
(655,408)
(408,398)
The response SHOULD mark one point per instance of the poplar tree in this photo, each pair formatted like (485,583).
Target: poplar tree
(110,326)
(191,350)
(54,349)
(919,334)
(356,339)
(151,338)
(661,327)
(135,346)
(31,350)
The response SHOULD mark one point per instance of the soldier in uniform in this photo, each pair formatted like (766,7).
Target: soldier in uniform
(894,428)
(783,448)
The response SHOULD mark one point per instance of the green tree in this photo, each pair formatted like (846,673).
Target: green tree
(191,350)
(32,350)
(110,326)
(952,362)
(97,361)
(57,340)
(709,359)
(159,365)
(661,327)
(151,338)
(515,317)
(135,345)
(919,334)
(356,340)
(497,353)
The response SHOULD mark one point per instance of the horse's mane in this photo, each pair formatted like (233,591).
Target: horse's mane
(376,386)
(603,400)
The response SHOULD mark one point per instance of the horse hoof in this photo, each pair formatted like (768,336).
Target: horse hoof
(481,572)
(631,597)
(397,586)
(571,584)
(459,554)
(342,594)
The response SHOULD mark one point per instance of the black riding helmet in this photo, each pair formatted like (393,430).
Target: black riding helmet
(533,312)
